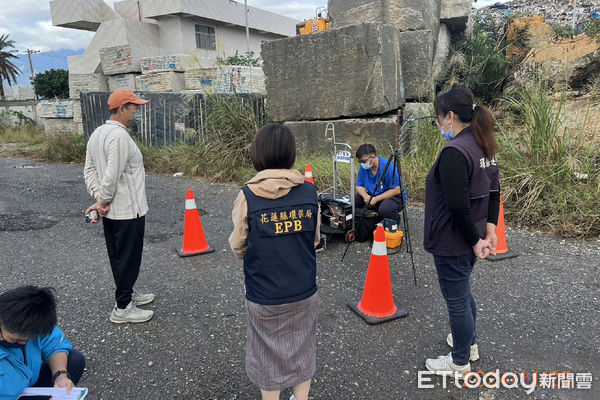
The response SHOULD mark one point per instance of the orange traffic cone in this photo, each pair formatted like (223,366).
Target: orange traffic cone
(194,242)
(308,176)
(377,302)
(502,252)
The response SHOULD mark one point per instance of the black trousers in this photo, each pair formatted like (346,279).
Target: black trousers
(75,366)
(389,208)
(124,242)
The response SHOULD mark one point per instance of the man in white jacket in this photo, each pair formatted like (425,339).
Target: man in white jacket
(114,175)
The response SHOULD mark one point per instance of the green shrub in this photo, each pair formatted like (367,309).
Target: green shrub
(550,177)
(64,148)
(477,62)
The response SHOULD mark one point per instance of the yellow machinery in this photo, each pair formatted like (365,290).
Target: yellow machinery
(317,24)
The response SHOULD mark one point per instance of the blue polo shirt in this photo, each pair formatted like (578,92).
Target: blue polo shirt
(367,180)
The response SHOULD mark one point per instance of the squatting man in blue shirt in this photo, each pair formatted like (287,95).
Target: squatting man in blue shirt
(387,199)
(33,350)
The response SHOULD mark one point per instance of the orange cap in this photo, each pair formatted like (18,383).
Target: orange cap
(121,97)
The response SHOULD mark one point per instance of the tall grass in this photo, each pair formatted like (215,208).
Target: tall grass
(550,175)
(221,153)
(63,148)
(27,134)
(417,162)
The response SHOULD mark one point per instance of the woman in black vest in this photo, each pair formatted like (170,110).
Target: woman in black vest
(462,202)
(276,219)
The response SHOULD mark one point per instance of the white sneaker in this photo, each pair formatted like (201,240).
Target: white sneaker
(292,397)
(130,314)
(139,299)
(443,365)
(474,348)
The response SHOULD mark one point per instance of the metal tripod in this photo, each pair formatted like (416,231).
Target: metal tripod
(395,158)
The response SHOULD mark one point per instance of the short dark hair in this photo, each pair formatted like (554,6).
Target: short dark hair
(365,150)
(116,109)
(29,311)
(273,147)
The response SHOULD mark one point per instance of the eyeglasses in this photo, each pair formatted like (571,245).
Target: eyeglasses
(365,160)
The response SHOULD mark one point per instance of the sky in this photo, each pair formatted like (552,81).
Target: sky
(30,25)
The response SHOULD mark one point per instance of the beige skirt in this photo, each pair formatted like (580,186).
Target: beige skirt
(281,343)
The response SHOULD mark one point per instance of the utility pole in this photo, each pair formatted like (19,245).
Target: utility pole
(247,30)
(29,53)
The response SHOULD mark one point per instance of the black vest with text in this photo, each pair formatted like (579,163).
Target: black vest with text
(280,264)
(441,238)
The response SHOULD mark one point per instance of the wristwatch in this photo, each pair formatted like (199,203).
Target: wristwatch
(57,373)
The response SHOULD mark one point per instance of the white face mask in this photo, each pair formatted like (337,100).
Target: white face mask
(366,164)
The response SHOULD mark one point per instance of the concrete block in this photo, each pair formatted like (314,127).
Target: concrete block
(86,83)
(77,114)
(160,82)
(442,49)
(352,71)
(380,132)
(455,14)
(226,79)
(119,60)
(62,126)
(178,63)
(241,79)
(54,109)
(405,15)
(416,49)
(201,78)
(122,81)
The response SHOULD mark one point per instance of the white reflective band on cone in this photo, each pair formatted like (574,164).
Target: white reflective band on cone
(190,204)
(308,175)
(379,249)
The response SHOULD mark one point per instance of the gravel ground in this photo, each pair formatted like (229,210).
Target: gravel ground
(538,312)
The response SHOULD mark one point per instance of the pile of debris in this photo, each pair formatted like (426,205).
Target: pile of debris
(556,11)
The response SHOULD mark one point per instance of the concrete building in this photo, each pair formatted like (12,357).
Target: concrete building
(204,29)
(18,93)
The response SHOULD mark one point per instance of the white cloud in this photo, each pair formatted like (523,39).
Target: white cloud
(29,24)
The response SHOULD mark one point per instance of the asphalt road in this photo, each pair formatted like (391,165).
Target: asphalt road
(538,312)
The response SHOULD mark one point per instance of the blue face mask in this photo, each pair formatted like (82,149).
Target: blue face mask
(365,165)
(447,136)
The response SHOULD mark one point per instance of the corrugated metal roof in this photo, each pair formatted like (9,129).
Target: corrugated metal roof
(227,11)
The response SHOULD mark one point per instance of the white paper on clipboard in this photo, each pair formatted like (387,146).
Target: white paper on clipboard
(56,393)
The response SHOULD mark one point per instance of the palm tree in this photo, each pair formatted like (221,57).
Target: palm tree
(8,70)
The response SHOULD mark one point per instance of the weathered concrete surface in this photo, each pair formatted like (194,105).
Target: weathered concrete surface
(177,63)
(416,49)
(311,141)
(455,14)
(346,72)
(86,83)
(442,49)
(122,81)
(62,126)
(405,15)
(160,82)
(226,79)
(54,109)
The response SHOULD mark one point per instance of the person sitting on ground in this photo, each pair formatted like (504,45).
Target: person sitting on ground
(386,199)
(33,350)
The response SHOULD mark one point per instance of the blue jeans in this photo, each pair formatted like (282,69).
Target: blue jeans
(453,275)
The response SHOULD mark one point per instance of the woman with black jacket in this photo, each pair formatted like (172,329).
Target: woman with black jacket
(462,202)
